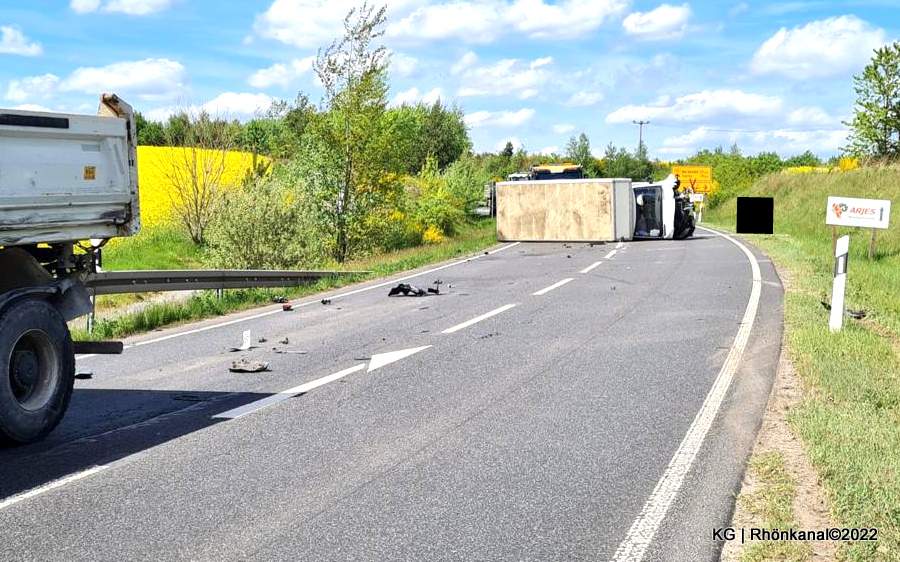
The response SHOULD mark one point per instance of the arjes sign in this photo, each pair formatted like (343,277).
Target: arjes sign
(866,213)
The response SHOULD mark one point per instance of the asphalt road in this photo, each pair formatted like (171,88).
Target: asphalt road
(529,418)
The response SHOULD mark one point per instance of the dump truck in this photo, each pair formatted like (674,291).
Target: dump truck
(68,184)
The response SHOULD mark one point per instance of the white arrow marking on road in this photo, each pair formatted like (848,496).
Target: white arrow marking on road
(380,360)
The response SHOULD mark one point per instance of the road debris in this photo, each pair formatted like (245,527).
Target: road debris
(287,307)
(289,351)
(284,341)
(246,345)
(84,376)
(244,365)
(855,314)
(407,290)
(326,301)
(262,339)
(279,299)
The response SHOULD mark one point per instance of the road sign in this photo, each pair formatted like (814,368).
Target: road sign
(850,211)
(697,178)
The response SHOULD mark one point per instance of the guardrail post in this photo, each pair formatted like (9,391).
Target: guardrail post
(841,253)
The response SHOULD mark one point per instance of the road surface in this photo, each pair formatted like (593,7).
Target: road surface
(554,402)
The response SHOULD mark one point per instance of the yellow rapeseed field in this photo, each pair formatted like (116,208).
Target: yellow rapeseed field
(156,202)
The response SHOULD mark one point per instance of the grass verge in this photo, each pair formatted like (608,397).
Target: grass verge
(849,417)
(205,304)
(771,506)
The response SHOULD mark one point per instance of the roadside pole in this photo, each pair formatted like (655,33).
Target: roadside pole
(839,286)
(872,244)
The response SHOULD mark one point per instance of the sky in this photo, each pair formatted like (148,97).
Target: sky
(769,76)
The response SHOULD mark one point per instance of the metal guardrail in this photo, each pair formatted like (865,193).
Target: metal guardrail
(117,282)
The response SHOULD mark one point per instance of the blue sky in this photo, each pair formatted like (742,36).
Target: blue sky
(767,75)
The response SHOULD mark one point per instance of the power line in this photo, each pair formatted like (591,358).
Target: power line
(640,125)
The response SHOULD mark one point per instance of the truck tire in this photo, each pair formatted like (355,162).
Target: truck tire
(37,370)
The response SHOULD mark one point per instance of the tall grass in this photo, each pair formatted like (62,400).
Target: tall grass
(849,418)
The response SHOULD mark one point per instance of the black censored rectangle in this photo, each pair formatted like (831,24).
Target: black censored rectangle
(755,215)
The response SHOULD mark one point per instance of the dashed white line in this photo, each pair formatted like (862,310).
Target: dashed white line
(286,394)
(556,285)
(12,500)
(610,255)
(478,319)
(589,268)
(308,303)
(644,528)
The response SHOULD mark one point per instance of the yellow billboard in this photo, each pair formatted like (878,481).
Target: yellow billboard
(697,178)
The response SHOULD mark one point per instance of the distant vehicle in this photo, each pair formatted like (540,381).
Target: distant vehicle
(543,172)
(66,179)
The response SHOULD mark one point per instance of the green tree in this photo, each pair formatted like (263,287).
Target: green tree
(578,150)
(350,140)
(805,159)
(149,133)
(875,127)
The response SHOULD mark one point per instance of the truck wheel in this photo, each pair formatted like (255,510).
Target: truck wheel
(37,370)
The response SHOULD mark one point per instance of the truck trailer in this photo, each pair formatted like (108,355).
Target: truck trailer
(68,184)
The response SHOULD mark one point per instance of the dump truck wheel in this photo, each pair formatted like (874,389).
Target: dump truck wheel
(37,370)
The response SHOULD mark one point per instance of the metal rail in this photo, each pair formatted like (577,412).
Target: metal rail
(116,282)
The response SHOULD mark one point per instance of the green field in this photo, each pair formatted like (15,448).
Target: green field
(849,419)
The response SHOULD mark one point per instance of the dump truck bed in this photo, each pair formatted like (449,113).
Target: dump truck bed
(66,177)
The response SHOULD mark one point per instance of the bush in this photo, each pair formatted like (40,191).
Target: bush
(267,224)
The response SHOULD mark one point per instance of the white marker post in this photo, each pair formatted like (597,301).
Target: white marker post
(841,249)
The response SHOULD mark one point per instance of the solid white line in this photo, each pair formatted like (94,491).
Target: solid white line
(610,255)
(591,267)
(12,500)
(556,285)
(642,531)
(308,303)
(286,394)
(478,319)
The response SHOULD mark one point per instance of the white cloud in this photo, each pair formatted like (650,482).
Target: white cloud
(130,7)
(829,47)
(784,141)
(550,150)
(14,42)
(499,118)
(466,61)
(281,74)
(33,107)
(84,6)
(403,65)
(227,105)
(148,79)
(810,116)
(504,78)
(413,96)
(584,99)
(700,106)
(515,141)
(32,87)
(563,128)
(312,23)
(663,22)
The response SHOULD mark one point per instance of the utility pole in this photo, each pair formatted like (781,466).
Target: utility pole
(640,125)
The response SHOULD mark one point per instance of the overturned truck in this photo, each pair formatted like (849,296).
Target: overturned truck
(592,210)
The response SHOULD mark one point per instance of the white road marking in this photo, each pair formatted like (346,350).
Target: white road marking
(589,268)
(642,531)
(478,319)
(12,500)
(380,360)
(620,245)
(308,303)
(610,255)
(556,285)
(287,394)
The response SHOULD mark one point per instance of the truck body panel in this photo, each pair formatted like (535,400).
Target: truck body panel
(570,210)
(66,177)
